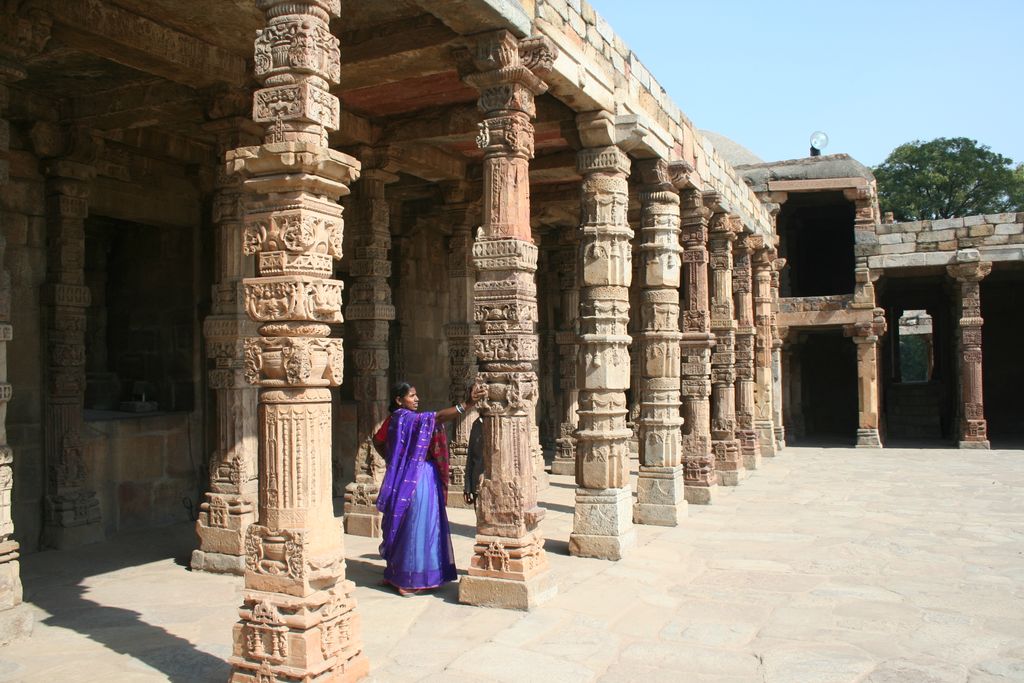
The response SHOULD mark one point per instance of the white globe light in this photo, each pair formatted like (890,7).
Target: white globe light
(819,140)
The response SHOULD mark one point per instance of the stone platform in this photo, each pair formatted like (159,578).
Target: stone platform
(824,566)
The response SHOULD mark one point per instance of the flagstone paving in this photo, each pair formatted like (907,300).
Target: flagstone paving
(826,565)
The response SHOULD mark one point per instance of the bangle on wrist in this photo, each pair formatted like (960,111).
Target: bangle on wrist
(460,409)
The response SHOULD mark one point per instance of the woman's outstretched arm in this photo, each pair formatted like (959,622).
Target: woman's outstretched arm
(476,393)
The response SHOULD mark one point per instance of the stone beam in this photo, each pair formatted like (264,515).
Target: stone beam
(475,16)
(138,105)
(110,32)
(408,48)
(459,124)
(428,162)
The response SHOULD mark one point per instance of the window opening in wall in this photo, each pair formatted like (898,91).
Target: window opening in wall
(816,238)
(916,346)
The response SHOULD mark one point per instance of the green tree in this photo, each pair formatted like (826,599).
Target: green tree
(947,177)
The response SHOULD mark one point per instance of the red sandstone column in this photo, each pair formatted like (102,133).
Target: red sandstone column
(866,336)
(777,342)
(697,342)
(567,339)
(369,314)
(746,333)
(724,444)
(659,492)
(230,505)
(969,274)
(603,520)
(509,567)
(763,255)
(298,616)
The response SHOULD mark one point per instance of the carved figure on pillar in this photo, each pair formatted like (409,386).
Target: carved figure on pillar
(72,511)
(295,564)
(866,336)
(567,338)
(660,498)
(603,520)
(724,444)
(763,257)
(230,505)
(697,343)
(746,336)
(969,273)
(369,314)
(509,567)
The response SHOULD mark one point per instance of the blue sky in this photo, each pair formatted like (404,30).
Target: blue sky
(872,74)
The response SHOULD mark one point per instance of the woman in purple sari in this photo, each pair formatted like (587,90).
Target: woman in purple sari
(417,543)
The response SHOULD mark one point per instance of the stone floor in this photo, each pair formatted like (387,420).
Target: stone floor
(902,566)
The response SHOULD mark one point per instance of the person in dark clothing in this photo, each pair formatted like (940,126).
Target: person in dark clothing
(474,461)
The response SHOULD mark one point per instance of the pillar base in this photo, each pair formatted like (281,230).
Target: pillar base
(700,495)
(314,639)
(868,438)
(975,445)
(564,466)
(660,498)
(217,563)
(603,524)
(750,449)
(15,623)
(488,591)
(365,522)
(67,537)
(780,439)
(766,439)
(456,499)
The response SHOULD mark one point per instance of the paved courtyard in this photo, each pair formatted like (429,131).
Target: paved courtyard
(895,566)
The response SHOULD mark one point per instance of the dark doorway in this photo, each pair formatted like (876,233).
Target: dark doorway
(1002,298)
(816,233)
(917,365)
(825,405)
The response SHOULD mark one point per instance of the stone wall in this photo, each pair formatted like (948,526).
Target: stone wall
(594,58)
(143,467)
(998,237)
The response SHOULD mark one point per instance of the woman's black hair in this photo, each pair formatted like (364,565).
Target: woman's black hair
(400,390)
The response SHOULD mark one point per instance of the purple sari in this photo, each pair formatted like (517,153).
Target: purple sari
(417,543)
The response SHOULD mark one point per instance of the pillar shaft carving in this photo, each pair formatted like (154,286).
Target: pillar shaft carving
(602,524)
(724,444)
(697,343)
(746,337)
(369,313)
(293,225)
(973,426)
(72,512)
(777,342)
(567,339)
(866,336)
(230,505)
(461,333)
(762,259)
(660,498)
(509,567)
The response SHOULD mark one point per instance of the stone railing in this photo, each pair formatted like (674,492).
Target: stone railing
(998,237)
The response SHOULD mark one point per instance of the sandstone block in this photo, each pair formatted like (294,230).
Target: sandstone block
(982,230)
(891,238)
(897,248)
(974,220)
(1009,228)
(486,591)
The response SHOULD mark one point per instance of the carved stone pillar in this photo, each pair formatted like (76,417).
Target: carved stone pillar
(724,444)
(659,490)
(298,615)
(865,336)
(777,342)
(746,334)
(603,521)
(230,505)
(369,314)
(568,346)
(71,511)
(763,256)
(461,332)
(969,273)
(697,342)
(21,36)
(509,567)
